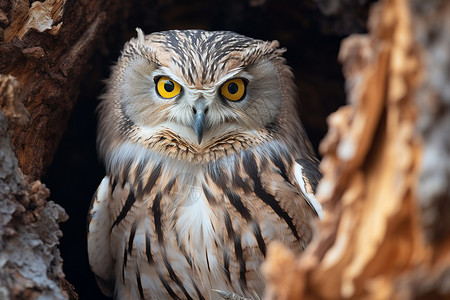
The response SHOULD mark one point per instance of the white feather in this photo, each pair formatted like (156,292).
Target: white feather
(100,258)
(309,197)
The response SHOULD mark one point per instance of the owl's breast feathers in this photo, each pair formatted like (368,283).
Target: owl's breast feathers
(184,229)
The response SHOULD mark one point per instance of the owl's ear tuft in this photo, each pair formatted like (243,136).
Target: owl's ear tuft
(274,44)
(276,51)
(262,50)
(140,35)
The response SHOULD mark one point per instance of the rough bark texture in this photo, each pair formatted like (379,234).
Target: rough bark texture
(431,25)
(385,233)
(30,263)
(46,45)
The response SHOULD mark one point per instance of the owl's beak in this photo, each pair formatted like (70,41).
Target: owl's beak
(200,110)
(199,125)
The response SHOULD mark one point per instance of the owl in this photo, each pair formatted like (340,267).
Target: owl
(206,162)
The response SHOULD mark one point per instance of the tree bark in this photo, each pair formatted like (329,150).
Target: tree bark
(46,46)
(386,167)
(30,263)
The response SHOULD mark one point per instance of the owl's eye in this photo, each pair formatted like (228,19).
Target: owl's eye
(234,89)
(167,88)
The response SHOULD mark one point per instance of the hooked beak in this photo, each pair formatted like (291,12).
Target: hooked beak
(200,110)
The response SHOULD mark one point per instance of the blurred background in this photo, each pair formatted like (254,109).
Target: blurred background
(311,30)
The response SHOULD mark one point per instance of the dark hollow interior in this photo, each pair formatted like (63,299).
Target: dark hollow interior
(312,40)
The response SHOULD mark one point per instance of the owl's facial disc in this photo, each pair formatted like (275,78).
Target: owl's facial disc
(239,101)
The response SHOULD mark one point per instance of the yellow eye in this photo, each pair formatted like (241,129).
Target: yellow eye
(234,89)
(167,88)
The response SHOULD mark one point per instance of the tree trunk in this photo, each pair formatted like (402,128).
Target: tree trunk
(386,167)
(30,262)
(46,46)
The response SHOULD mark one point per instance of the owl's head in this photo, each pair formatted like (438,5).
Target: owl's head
(188,94)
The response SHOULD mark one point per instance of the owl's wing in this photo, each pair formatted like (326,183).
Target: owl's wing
(307,177)
(99,226)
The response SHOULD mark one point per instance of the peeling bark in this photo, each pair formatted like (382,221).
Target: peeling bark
(46,46)
(30,263)
(386,179)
